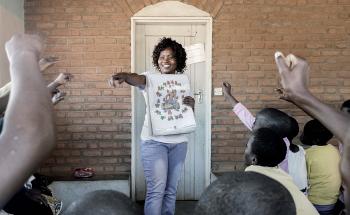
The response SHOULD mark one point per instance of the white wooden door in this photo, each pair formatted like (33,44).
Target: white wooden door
(193,179)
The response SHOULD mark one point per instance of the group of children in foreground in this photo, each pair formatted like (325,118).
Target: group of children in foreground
(315,171)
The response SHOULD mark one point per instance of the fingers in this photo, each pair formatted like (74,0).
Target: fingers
(49,59)
(281,62)
(68,76)
(291,61)
(63,78)
(56,98)
(188,100)
(47,62)
(282,94)
(63,94)
(301,62)
(111,82)
(52,59)
(226,84)
(119,77)
(226,89)
(23,42)
(55,91)
(279,90)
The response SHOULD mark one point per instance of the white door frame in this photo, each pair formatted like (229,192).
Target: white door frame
(188,20)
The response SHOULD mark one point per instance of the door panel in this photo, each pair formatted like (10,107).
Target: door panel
(192,182)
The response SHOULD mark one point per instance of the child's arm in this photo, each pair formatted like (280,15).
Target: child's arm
(132,79)
(240,110)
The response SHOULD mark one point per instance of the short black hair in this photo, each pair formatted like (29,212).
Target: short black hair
(294,128)
(276,120)
(245,193)
(268,147)
(315,134)
(345,104)
(179,52)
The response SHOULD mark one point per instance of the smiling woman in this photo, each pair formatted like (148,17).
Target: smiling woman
(169,56)
(163,157)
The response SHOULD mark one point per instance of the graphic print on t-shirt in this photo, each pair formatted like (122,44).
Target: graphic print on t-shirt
(169,97)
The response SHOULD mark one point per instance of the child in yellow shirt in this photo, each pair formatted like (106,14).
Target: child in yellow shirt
(322,162)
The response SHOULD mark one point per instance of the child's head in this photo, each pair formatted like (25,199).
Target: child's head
(345,107)
(315,134)
(276,120)
(103,202)
(245,193)
(294,128)
(265,148)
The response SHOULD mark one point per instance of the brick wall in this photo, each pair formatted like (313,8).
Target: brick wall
(92,37)
(245,37)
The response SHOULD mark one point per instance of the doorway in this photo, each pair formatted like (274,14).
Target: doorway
(146,33)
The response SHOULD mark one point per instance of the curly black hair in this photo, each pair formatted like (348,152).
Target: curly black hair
(179,51)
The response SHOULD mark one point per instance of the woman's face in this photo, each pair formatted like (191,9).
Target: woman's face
(167,62)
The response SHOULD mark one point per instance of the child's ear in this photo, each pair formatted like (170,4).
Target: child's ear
(254,160)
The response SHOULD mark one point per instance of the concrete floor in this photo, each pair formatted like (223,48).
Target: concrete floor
(185,207)
(182,207)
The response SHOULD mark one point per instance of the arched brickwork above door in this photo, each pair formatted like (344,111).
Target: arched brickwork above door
(131,7)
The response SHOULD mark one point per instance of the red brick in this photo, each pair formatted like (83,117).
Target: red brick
(93,41)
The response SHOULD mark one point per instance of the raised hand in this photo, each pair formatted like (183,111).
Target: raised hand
(294,77)
(63,78)
(57,97)
(46,62)
(23,43)
(29,125)
(226,89)
(120,77)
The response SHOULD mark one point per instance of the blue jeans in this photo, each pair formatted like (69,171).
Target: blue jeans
(162,166)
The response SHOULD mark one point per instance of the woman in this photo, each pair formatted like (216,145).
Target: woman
(163,157)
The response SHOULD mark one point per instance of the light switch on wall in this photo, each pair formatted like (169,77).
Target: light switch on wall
(218,91)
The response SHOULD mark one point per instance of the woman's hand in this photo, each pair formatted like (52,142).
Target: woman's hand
(120,77)
(188,100)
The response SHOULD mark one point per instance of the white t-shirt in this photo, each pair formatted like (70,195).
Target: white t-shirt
(146,130)
(297,168)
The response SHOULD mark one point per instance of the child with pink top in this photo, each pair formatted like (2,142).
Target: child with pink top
(284,125)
